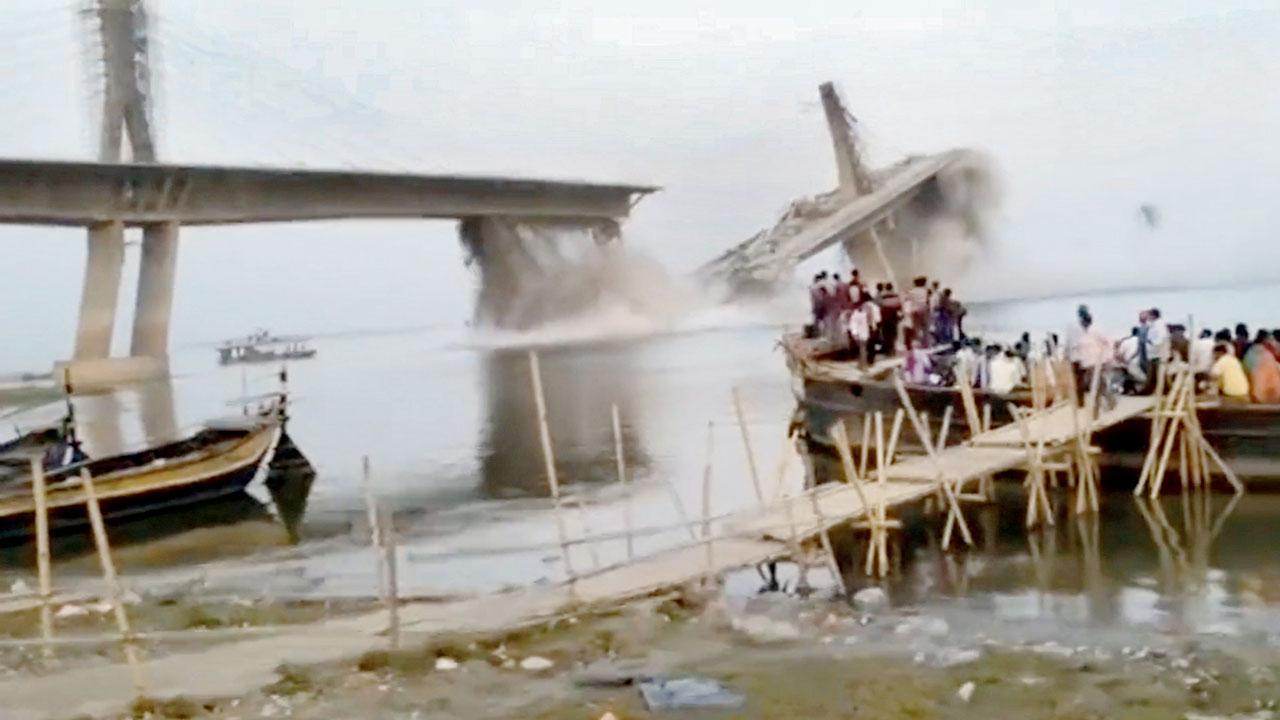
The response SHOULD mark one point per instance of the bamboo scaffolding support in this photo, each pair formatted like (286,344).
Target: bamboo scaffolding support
(970,404)
(864,450)
(824,536)
(43,571)
(1086,480)
(746,444)
(944,432)
(1038,508)
(955,518)
(894,434)
(114,591)
(620,459)
(1158,414)
(549,461)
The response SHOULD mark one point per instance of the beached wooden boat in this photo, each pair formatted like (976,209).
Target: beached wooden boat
(216,461)
(1247,436)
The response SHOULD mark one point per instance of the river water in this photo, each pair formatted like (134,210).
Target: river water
(449,425)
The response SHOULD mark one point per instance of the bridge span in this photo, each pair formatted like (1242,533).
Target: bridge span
(139,194)
(107,197)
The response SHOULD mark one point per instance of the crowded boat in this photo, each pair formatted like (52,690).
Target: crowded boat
(922,330)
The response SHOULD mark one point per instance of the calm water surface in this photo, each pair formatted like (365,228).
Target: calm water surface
(451,433)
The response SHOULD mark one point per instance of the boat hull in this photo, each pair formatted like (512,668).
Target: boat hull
(128,492)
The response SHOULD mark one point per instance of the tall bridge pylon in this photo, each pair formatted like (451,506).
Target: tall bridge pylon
(126,122)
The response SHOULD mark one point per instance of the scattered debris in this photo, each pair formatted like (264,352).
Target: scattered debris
(70,611)
(927,626)
(1258,715)
(763,628)
(690,692)
(870,599)
(965,693)
(536,663)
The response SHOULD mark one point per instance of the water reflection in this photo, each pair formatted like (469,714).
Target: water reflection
(1185,562)
(579,385)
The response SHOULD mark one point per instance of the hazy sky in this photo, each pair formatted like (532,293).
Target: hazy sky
(1089,109)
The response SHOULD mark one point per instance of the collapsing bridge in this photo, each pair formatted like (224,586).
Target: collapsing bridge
(895,222)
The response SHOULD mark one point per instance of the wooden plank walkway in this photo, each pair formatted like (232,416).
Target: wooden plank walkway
(1055,426)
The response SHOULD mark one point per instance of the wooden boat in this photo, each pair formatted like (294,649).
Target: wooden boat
(1246,435)
(216,461)
(265,347)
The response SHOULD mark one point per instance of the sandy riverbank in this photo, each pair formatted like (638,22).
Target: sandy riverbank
(785,656)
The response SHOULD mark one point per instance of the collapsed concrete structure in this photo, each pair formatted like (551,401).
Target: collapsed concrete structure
(910,218)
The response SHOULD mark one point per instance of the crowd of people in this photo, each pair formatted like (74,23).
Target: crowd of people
(871,322)
(926,326)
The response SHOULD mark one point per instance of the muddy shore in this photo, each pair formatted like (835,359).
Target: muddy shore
(784,656)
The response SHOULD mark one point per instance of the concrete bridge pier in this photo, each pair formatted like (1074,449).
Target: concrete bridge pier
(92,367)
(154,306)
(99,294)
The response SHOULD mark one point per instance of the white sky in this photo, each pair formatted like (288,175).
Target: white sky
(1088,108)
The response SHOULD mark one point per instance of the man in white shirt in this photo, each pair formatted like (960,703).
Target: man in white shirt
(1202,353)
(1158,336)
(1158,342)
(1006,373)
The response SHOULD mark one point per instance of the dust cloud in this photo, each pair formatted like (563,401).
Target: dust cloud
(553,283)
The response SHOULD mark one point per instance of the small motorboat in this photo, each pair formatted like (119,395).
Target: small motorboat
(262,346)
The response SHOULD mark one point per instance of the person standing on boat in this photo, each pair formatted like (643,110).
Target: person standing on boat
(1256,351)
(918,312)
(1233,384)
(860,333)
(1264,376)
(1202,354)
(1076,333)
(1129,356)
(1158,340)
(1006,372)
(890,319)
(1241,344)
(818,303)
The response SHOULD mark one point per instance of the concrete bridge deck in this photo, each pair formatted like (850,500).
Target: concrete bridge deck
(46,192)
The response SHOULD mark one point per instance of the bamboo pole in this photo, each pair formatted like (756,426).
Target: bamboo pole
(894,434)
(882,545)
(1176,421)
(393,585)
(375,529)
(969,402)
(1158,412)
(954,515)
(113,583)
(945,431)
(627,519)
(846,462)
(865,449)
(549,461)
(746,445)
(43,571)
(823,534)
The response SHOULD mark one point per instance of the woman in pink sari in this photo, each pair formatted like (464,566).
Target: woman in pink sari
(1264,379)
